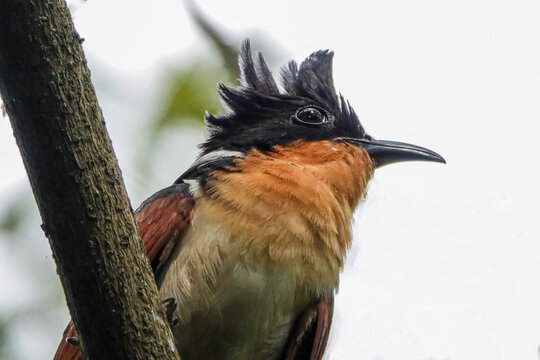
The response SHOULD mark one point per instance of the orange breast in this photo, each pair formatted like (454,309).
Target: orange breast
(294,205)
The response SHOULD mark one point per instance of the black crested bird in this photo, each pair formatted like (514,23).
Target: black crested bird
(251,239)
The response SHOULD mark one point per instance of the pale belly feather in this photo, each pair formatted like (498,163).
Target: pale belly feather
(228,306)
(249,316)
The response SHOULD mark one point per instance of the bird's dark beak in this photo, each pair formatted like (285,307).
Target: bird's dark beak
(384,152)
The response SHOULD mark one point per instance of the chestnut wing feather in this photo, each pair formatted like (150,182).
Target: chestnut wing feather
(311,333)
(162,218)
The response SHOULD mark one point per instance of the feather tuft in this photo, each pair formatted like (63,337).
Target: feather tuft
(258,103)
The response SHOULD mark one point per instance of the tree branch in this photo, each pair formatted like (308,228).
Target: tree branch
(59,128)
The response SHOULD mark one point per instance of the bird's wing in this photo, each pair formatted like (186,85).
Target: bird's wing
(162,218)
(308,342)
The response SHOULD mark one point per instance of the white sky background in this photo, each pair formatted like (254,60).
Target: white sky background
(446,258)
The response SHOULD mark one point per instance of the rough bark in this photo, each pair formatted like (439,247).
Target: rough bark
(45,85)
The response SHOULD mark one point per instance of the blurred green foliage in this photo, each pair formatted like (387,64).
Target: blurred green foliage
(192,91)
(14,212)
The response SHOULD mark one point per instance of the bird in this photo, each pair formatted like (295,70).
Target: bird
(250,240)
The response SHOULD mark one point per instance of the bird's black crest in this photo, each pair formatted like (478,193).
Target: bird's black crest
(258,110)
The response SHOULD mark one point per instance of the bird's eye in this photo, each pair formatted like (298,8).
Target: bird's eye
(311,115)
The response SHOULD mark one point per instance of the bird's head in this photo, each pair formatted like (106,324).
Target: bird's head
(261,116)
